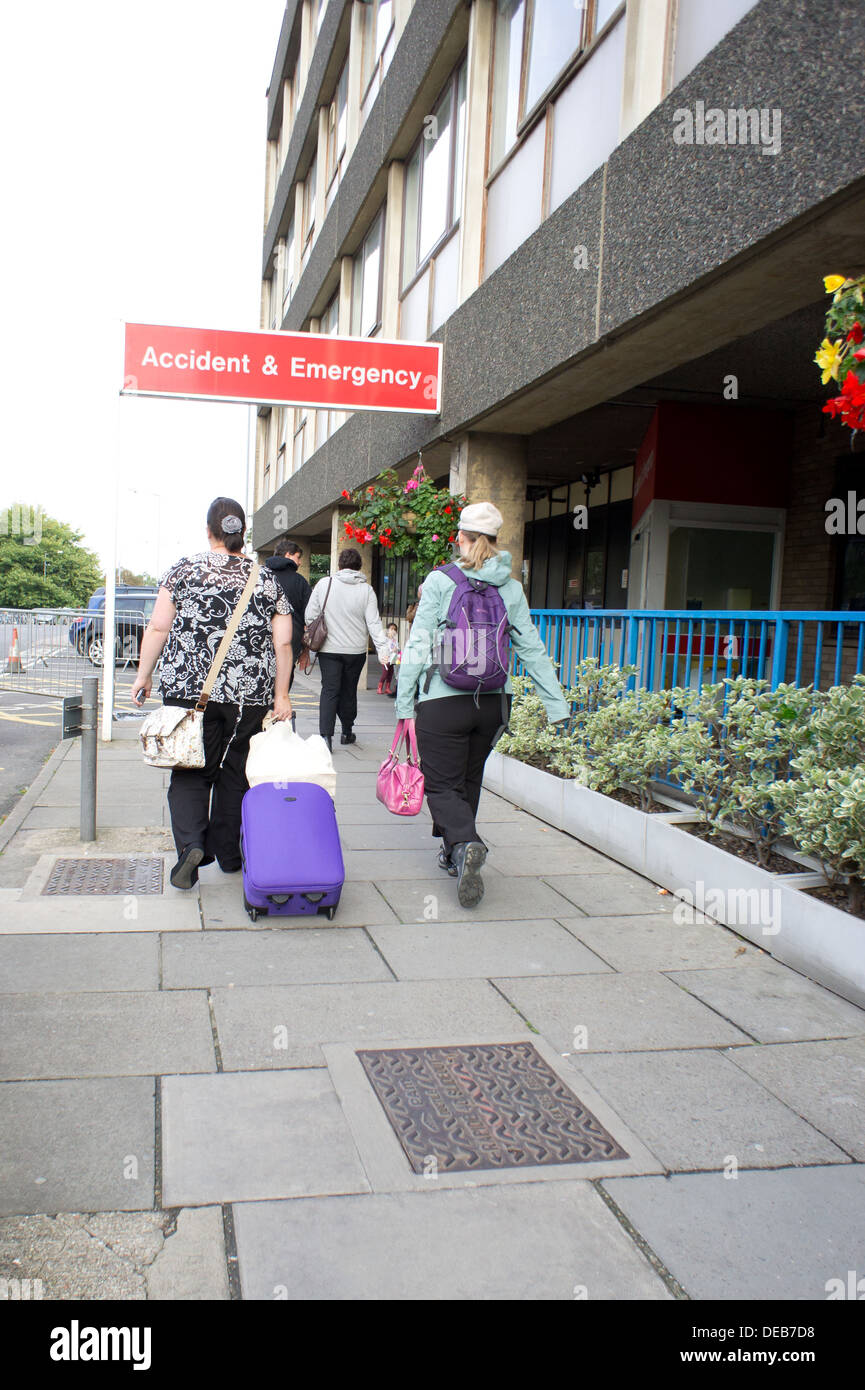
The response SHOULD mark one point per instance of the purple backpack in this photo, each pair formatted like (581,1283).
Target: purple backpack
(473,652)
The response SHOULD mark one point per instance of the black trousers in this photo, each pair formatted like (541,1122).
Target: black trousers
(205,802)
(455,737)
(340,673)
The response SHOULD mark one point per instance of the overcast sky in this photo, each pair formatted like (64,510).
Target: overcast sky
(133,183)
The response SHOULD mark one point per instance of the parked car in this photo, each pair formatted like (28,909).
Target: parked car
(129,625)
(130,599)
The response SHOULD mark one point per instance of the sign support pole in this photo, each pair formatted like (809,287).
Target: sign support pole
(109,623)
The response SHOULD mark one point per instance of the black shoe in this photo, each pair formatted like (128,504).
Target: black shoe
(348,738)
(445,862)
(185,872)
(328,738)
(468,858)
(233,868)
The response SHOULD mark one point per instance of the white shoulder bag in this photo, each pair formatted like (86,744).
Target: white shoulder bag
(173,736)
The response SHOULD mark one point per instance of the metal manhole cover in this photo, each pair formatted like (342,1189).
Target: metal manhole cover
(103,876)
(496,1105)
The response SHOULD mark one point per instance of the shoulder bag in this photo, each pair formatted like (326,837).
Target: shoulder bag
(316,633)
(174,736)
(400,786)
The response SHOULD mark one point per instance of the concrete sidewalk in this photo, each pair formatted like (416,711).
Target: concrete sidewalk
(184,1113)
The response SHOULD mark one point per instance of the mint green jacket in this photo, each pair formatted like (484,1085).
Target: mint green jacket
(417,656)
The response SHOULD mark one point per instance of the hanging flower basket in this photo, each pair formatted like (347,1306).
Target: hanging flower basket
(424,531)
(841,355)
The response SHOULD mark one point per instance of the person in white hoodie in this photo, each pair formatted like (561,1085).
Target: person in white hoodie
(351,613)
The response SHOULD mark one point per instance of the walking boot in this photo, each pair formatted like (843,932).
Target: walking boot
(468,857)
(445,862)
(185,872)
(328,738)
(348,738)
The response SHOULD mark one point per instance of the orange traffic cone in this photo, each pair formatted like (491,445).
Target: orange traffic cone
(13,661)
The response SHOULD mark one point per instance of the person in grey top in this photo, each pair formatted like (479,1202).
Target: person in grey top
(351,613)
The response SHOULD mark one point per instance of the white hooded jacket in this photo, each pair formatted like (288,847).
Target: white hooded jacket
(351,614)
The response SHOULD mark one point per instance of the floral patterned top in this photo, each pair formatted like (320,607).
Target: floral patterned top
(205,589)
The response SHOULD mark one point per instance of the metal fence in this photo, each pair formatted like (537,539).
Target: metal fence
(688,648)
(49,651)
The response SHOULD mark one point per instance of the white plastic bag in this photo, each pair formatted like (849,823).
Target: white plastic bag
(278,754)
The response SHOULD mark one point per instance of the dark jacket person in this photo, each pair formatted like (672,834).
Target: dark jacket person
(283,564)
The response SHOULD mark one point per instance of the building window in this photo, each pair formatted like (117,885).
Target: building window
(337,123)
(308,230)
(534,42)
(366,282)
(319,6)
(325,420)
(275,286)
(300,417)
(287,117)
(434,176)
(287,257)
(377,23)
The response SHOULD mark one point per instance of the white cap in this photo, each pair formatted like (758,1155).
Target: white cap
(482,517)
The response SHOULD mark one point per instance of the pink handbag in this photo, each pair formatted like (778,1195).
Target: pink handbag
(400,785)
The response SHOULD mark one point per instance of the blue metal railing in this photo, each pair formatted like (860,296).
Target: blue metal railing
(693,648)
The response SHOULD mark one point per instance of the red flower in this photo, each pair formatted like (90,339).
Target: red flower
(370,491)
(448,511)
(856,334)
(450,538)
(349,529)
(346,494)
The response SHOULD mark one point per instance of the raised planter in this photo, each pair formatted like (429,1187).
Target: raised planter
(812,937)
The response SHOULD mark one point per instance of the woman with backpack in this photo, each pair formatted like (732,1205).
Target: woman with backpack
(455,666)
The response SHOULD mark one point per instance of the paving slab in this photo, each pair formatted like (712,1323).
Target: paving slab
(77,1255)
(263,1029)
(516,834)
(457,950)
(359,904)
(42,964)
(774,1003)
(191,1264)
(496,808)
(241,1137)
(387,1166)
(613,894)
(117,1034)
(545,860)
(77,1145)
(142,812)
(373,813)
(618,1013)
(35,917)
(374,865)
(645,942)
(535,1241)
(398,832)
(765,1236)
(435,899)
(307,956)
(693,1111)
(822,1081)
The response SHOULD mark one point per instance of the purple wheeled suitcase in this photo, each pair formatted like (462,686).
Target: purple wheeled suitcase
(289,843)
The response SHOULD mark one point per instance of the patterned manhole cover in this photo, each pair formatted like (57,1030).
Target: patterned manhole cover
(498,1105)
(102,876)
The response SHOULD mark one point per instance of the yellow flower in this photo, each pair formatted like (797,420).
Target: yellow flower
(828,356)
(833,282)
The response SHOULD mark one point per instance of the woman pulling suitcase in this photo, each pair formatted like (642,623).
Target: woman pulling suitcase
(456,727)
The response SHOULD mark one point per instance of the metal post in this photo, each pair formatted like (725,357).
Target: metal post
(89,724)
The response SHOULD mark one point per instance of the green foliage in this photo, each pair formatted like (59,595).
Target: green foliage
(824,805)
(138,581)
(775,763)
(42,562)
(319,568)
(415,518)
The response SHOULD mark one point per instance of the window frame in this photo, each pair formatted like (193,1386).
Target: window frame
(380,217)
(372,7)
(528,119)
(452,222)
(309,201)
(334,158)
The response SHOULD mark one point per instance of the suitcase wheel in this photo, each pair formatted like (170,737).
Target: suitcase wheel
(252,912)
(331,913)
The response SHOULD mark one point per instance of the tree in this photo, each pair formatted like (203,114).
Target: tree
(137,581)
(42,561)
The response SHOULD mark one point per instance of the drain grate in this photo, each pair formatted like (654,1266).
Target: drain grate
(104,876)
(496,1105)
